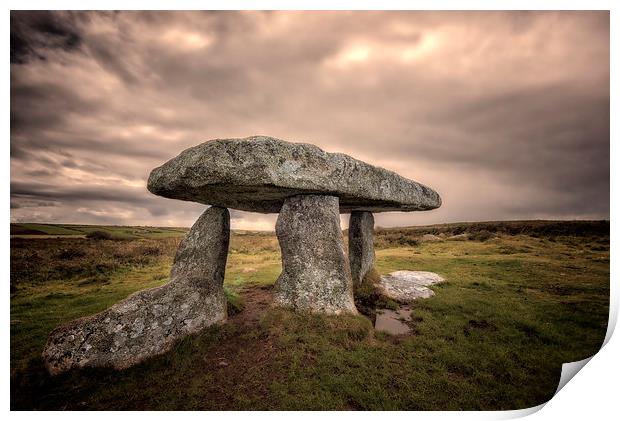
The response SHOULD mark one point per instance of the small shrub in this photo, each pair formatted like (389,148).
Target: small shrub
(481,235)
(99,235)
(387,239)
(234,303)
(599,248)
(71,253)
(372,277)
(95,280)
(390,304)
(368,299)
(150,250)
(409,241)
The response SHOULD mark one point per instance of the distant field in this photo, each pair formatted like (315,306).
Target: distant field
(28,230)
(521,298)
(535,228)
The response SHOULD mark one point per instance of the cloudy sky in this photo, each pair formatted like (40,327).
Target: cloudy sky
(505,114)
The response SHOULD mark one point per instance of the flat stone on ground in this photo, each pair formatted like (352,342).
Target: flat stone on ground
(407,285)
(258,173)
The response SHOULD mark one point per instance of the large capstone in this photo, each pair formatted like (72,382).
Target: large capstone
(361,245)
(259,173)
(315,270)
(149,322)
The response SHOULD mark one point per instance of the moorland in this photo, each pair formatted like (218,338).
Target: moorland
(520,299)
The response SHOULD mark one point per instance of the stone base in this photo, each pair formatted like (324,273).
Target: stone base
(148,323)
(361,245)
(315,270)
(408,285)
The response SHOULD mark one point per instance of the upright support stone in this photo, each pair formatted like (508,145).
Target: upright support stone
(149,322)
(361,244)
(315,270)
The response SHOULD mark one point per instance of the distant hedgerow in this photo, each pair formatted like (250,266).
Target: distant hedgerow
(99,235)
(481,235)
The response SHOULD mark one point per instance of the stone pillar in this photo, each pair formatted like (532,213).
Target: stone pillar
(149,322)
(315,270)
(361,244)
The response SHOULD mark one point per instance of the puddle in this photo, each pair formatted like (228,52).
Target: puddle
(392,321)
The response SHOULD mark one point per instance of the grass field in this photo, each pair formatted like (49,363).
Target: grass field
(520,299)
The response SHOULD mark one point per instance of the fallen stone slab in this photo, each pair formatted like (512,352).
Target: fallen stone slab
(149,322)
(407,285)
(315,270)
(259,173)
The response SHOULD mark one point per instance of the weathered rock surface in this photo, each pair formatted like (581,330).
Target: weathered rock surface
(258,173)
(361,244)
(148,323)
(315,270)
(408,285)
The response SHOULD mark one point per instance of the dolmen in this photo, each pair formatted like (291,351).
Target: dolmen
(308,188)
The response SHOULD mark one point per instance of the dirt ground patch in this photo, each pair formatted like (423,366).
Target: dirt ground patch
(238,357)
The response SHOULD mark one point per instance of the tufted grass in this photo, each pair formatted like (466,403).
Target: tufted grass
(513,309)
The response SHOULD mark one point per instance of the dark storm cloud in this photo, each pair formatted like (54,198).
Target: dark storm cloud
(506,114)
(30,102)
(65,194)
(34,32)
